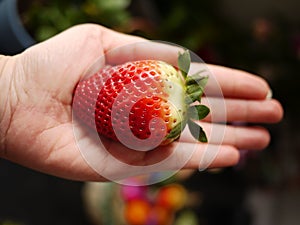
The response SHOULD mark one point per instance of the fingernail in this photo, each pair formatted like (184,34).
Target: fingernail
(269,95)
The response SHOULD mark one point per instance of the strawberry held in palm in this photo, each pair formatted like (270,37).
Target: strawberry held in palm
(142,104)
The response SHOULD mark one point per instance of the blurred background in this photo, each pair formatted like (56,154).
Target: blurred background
(259,36)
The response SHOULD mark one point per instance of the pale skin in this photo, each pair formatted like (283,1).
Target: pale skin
(37,86)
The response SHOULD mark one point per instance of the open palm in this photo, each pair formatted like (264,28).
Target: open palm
(42,135)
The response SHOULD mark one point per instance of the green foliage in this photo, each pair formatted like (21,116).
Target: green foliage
(9,222)
(44,19)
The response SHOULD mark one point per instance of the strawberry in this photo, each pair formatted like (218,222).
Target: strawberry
(144,103)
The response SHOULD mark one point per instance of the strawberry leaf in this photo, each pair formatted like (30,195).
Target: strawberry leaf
(184,61)
(197,131)
(195,96)
(176,131)
(202,83)
(195,87)
(190,89)
(196,78)
(198,112)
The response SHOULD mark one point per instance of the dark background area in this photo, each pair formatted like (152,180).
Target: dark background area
(262,37)
(28,197)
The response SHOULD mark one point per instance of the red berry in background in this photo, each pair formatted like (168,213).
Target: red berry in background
(172,197)
(137,212)
(142,104)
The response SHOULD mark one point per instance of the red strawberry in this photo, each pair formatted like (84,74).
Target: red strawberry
(142,104)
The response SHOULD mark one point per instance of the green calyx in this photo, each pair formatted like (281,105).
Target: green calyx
(176,131)
(194,91)
(196,113)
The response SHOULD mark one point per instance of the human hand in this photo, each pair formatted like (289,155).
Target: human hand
(37,130)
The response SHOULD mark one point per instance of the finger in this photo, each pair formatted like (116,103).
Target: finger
(120,48)
(236,84)
(252,111)
(180,155)
(222,156)
(195,155)
(241,137)
(113,161)
(140,49)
